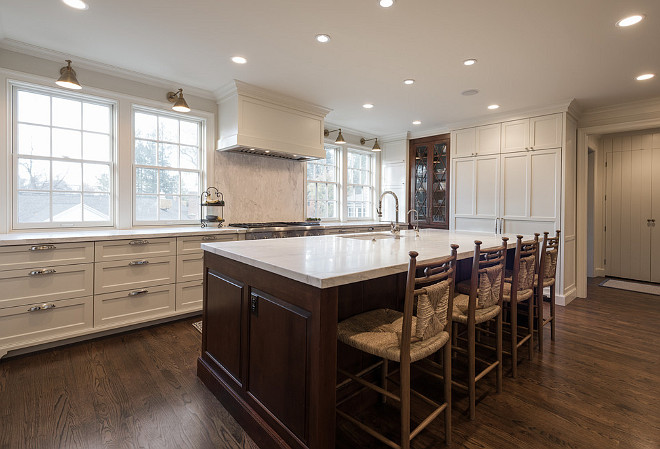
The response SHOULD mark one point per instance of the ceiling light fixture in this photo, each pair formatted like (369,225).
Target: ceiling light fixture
(409,81)
(323,38)
(367,106)
(494,106)
(470,62)
(68,77)
(386,3)
(76,4)
(239,59)
(629,21)
(180,104)
(416,122)
(340,138)
(470,92)
(376,147)
(646,76)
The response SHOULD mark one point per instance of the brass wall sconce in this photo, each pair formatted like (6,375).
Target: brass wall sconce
(68,78)
(376,147)
(180,104)
(340,138)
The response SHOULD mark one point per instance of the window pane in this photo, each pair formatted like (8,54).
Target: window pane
(169,181)
(190,208)
(146,180)
(67,143)
(168,129)
(146,126)
(332,209)
(33,207)
(350,193)
(322,192)
(67,207)
(311,191)
(189,183)
(33,174)
(332,192)
(311,209)
(189,157)
(96,207)
(330,156)
(67,176)
(169,207)
(330,174)
(96,147)
(189,133)
(146,207)
(145,152)
(168,155)
(96,177)
(322,209)
(67,113)
(96,118)
(34,140)
(33,108)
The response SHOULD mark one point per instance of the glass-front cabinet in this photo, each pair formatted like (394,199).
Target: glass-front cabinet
(429,180)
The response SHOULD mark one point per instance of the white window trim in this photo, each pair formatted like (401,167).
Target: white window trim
(338,183)
(13,156)
(373,185)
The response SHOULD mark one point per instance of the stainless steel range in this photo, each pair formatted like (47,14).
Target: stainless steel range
(278,229)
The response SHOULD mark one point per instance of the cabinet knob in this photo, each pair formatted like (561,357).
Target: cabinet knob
(138,242)
(41,272)
(138,262)
(209,237)
(47,306)
(142,291)
(42,247)
(34,308)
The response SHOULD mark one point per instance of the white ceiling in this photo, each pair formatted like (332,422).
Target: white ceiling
(531,53)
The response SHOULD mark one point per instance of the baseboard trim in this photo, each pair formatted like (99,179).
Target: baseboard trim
(599,272)
(567,297)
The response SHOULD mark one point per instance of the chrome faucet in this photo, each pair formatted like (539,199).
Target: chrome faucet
(396,230)
(416,216)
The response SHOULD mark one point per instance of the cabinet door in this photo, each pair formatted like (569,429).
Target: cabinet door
(439,175)
(545,132)
(489,139)
(476,187)
(464,142)
(515,187)
(419,181)
(515,136)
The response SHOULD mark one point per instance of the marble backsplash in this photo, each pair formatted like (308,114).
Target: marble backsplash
(258,189)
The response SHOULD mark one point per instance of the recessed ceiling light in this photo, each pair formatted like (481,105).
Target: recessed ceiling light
(323,38)
(409,81)
(470,62)
(76,4)
(646,76)
(494,106)
(417,122)
(367,106)
(470,92)
(386,3)
(629,21)
(239,59)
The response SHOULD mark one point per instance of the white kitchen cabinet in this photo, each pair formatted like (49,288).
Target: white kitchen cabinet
(189,295)
(535,133)
(27,256)
(134,248)
(464,142)
(477,141)
(125,274)
(515,136)
(135,305)
(476,187)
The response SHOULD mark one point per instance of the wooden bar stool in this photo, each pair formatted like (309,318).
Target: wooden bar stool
(547,278)
(519,288)
(404,338)
(482,305)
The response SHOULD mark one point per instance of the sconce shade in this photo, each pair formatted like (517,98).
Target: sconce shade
(180,104)
(68,78)
(340,138)
(376,147)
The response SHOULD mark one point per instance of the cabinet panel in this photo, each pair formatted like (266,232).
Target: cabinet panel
(189,295)
(545,132)
(487,185)
(515,136)
(489,139)
(545,183)
(28,256)
(655,211)
(279,355)
(190,267)
(429,177)
(128,274)
(130,306)
(464,142)
(515,191)
(464,185)
(222,323)
(128,249)
(192,244)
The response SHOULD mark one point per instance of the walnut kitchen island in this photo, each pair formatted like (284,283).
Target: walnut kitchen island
(271,307)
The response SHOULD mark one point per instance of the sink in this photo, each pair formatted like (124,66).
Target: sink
(371,236)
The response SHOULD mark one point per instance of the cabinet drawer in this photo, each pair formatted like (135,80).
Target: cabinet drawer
(19,287)
(190,267)
(36,322)
(129,249)
(130,306)
(28,256)
(192,244)
(135,273)
(189,295)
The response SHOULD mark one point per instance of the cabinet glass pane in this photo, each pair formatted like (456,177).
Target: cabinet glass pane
(420,196)
(439,186)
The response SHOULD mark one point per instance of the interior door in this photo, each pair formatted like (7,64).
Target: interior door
(628,213)
(654,226)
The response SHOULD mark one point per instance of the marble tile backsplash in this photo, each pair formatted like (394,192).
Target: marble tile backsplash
(260,188)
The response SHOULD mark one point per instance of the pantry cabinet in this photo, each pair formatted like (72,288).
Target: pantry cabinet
(429,180)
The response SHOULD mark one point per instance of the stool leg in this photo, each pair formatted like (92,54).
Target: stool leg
(514,338)
(383,380)
(405,405)
(530,326)
(552,312)
(472,390)
(539,318)
(499,352)
(446,365)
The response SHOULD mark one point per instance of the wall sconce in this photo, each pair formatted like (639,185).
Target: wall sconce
(180,104)
(340,138)
(376,147)
(68,77)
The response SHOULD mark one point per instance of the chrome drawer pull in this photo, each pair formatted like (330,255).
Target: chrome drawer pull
(40,272)
(42,247)
(48,306)
(138,242)
(138,262)
(34,308)
(138,292)
(212,237)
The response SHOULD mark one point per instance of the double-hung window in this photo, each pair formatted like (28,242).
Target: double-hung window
(359,185)
(62,151)
(168,167)
(323,186)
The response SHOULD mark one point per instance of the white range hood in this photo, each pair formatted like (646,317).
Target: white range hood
(264,123)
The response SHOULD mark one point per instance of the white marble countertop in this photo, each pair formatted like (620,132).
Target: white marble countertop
(331,260)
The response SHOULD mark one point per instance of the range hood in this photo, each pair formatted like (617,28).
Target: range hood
(265,123)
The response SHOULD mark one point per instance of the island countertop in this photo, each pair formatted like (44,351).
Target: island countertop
(332,260)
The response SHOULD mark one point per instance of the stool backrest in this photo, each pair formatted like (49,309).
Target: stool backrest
(548,258)
(525,264)
(487,277)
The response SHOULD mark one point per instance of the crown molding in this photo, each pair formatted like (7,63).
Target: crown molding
(634,111)
(106,69)
(395,137)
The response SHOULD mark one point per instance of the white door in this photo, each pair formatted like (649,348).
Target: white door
(463,142)
(628,211)
(655,215)
(475,196)
(545,132)
(488,139)
(515,136)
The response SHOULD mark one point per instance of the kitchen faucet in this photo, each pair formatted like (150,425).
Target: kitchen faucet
(396,230)
(416,216)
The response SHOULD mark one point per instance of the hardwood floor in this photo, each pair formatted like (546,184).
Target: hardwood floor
(597,386)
